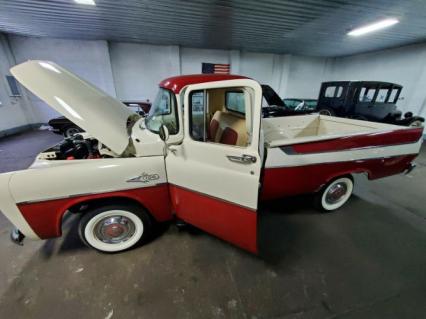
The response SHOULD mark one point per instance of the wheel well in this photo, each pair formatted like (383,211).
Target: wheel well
(340,175)
(84,206)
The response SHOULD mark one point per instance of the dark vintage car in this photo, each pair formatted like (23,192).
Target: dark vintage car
(274,106)
(365,100)
(61,125)
(301,104)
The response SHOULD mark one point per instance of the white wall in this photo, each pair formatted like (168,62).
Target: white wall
(138,68)
(88,59)
(191,59)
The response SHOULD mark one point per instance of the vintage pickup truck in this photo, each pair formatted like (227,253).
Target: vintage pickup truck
(203,155)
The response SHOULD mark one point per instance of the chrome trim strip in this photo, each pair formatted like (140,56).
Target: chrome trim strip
(356,160)
(289,149)
(84,194)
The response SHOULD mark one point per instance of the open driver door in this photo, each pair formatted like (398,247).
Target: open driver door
(214,173)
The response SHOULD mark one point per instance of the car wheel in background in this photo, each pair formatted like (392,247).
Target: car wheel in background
(327,111)
(335,194)
(70,131)
(115,228)
(416,123)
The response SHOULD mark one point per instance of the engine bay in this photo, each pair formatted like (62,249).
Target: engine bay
(75,148)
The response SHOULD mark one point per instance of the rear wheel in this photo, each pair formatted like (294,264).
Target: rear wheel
(335,194)
(115,228)
(327,111)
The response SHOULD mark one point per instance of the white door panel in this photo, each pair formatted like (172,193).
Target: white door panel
(86,177)
(205,167)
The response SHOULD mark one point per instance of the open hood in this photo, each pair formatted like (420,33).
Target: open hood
(99,114)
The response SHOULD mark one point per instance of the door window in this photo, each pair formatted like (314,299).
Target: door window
(367,94)
(329,92)
(393,96)
(197,123)
(382,95)
(333,91)
(219,116)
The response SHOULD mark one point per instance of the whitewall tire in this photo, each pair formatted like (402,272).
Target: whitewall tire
(335,194)
(114,228)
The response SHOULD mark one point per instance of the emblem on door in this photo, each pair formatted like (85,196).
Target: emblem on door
(144,178)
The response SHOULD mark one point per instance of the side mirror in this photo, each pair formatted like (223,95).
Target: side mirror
(164,133)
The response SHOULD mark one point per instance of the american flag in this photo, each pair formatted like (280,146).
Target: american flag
(215,68)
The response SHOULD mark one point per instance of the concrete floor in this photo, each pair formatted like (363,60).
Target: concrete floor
(366,261)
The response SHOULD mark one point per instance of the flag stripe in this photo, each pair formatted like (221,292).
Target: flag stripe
(215,68)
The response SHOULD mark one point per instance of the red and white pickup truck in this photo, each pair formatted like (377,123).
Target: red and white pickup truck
(203,155)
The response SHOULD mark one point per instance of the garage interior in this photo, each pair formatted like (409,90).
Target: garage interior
(366,260)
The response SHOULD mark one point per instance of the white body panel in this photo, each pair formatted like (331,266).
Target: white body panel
(83,177)
(278,158)
(288,130)
(84,104)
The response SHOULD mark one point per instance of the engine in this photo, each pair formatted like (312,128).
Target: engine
(72,148)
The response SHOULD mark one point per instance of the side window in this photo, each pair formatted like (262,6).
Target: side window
(339,91)
(329,92)
(382,95)
(367,94)
(235,101)
(393,96)
(197,123)
(219,116)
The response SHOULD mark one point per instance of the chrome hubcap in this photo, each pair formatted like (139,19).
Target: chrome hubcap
(336,193)
(114,229)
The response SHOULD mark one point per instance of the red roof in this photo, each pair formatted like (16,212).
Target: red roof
(177,83)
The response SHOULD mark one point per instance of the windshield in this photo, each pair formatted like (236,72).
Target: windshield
(163,111)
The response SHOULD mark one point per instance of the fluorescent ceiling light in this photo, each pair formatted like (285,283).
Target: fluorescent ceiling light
(373,27)
(88,2)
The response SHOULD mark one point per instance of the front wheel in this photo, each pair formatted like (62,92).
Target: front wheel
(335,194)
(115,228)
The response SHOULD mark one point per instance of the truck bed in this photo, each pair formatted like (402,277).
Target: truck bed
(304,153)
(289,130)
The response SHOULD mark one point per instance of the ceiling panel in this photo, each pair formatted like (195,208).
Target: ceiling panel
(314,28)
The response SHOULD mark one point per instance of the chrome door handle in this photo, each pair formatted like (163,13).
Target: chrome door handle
(244,159)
